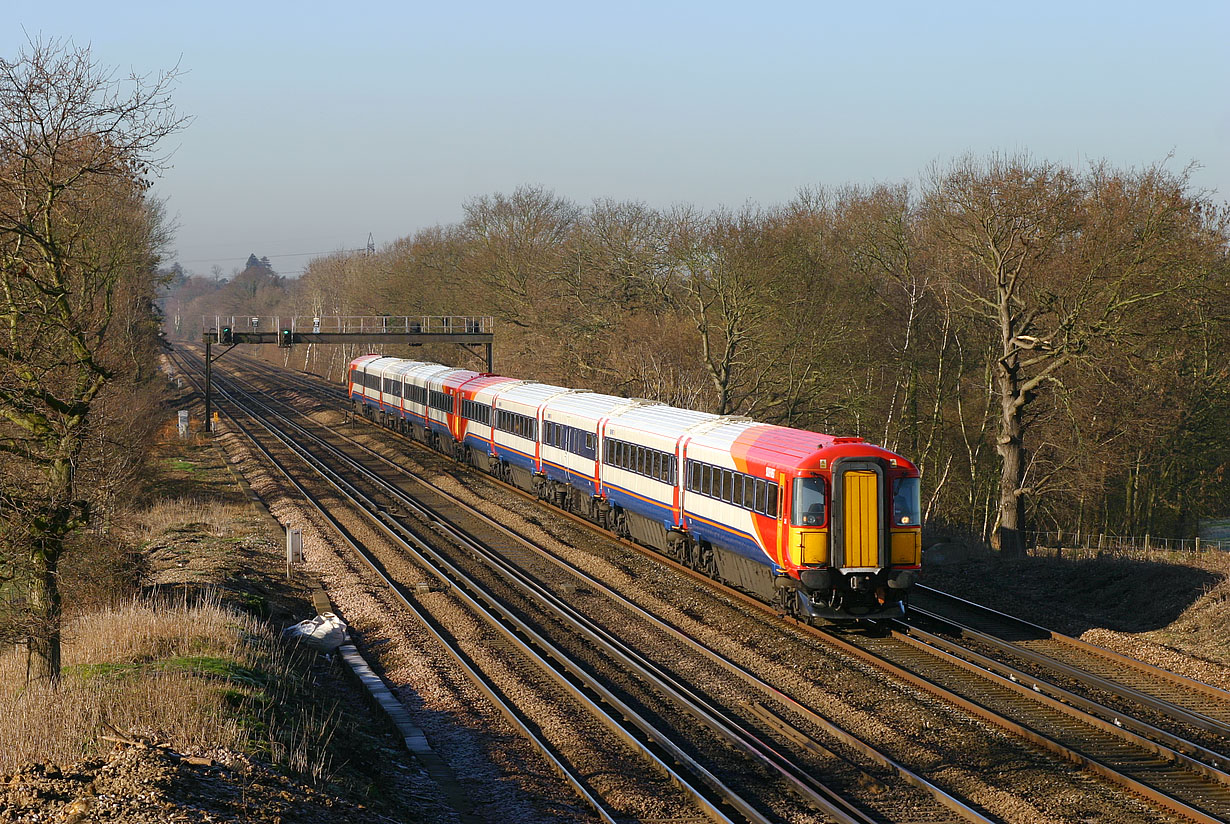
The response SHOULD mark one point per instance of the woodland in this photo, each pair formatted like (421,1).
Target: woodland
(1047,343)
(80,390)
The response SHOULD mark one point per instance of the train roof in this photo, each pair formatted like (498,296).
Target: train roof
(592,405)
(660,419)
(402,367)
(457,377)
(485,381)
(422,372)
(722,431)
(531,393)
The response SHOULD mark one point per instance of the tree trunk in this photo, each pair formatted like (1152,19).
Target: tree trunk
(1009,537)
(43,650)
(46,604)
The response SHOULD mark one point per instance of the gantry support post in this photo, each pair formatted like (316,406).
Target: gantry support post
(209,369)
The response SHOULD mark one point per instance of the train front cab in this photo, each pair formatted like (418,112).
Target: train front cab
(853,534)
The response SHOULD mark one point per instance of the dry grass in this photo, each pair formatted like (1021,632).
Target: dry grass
(213,518)
(194,676)
(1214,560)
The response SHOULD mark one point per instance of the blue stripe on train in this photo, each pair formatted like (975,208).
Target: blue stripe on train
(634,502)
(699,528)
(735,542)
(555,472)
(515,456)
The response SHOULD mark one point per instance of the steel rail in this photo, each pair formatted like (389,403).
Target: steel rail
(847,738)
(721,722)
(911,634)
(489,690)
(460,584)
(977,710)
(1161,705)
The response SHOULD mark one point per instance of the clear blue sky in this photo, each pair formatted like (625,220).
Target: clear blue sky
(315,124)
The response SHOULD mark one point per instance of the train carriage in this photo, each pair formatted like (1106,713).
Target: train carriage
(640,470)
(475,423)
(823,526)
(365,379)
(426,420)
(847,525)
(571,423)
(395,376)
(517,419)
(441,395)
(730,504)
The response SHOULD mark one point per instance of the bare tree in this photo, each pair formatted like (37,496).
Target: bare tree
(1059,268)
(77,148)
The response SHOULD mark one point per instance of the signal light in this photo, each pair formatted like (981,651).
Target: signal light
(285,338)
(226,336)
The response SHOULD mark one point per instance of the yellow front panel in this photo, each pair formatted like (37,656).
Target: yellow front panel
(907,547)
(862,519)
(809,547)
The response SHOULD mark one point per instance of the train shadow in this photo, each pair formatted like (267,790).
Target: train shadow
(1076,594)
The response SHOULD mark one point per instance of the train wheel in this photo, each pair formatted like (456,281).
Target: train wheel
(705,559)
(787,602)
(619,523)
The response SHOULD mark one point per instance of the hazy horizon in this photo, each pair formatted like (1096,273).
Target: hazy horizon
(315,126)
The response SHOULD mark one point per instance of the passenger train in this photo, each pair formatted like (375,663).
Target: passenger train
(822,526)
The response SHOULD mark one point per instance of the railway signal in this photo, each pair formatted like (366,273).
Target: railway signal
(286,339)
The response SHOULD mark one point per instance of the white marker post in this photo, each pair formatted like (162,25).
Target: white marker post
(294,549)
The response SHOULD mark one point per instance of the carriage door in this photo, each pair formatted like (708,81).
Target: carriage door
(859,528)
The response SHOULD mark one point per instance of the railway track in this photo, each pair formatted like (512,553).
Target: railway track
(1165,776)
(1200,711)
(536,677)
(485,539)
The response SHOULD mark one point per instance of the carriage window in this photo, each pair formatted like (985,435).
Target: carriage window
(655,471)
(906,507)
(728,486)
(771,509)
(759,504)
(706,478)
(809,501)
